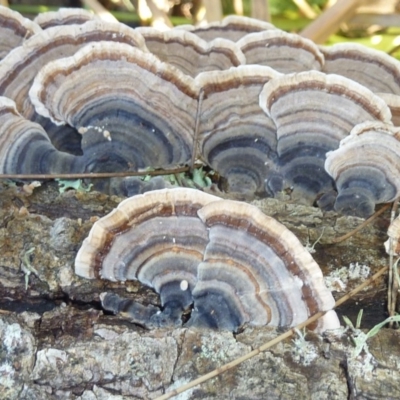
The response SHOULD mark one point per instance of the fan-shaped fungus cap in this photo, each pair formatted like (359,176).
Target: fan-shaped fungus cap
(189,53)
(374,69)
(169,243)
(64,16)
(142,116)
(284,52)
(14,29)
(313,112)
(366,168)
(232,27)
(235,136)
(25,147)
(234,263)
(20,67)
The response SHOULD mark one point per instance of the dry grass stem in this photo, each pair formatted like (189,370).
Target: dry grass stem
(393,284)
(364,224)
(94,175)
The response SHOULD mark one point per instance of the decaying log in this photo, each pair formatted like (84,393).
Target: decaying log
(58,343)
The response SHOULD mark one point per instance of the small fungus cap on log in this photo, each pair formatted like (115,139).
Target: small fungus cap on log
(372,68)
(366,168)
(313,112)
(187,52)
(232,27)
(238,265)
(132,109)
(282,51)
(235,136)
(25,147)
(14,30)
(64,16)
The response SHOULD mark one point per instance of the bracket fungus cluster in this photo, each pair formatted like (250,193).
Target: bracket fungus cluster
(260,106)
(227,259)
(312,113)
(126,119)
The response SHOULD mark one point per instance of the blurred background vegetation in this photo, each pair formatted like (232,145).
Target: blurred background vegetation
(380,30)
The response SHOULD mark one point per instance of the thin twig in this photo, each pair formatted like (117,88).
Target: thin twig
(393,283)
(94,175)
(271,343)
(361,226)
(393,50)
(196,129)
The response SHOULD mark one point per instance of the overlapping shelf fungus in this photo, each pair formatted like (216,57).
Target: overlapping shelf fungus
(228,261)
(259,106)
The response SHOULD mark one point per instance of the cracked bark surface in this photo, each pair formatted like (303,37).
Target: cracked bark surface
(58,344)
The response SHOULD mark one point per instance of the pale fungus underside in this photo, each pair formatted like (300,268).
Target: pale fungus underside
(226,260)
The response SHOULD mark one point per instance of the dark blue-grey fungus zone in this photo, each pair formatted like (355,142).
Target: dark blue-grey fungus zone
(221,263)
(20,67)
(366,168)
(313,112)
(132,110)
(235,136)
(25,147)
